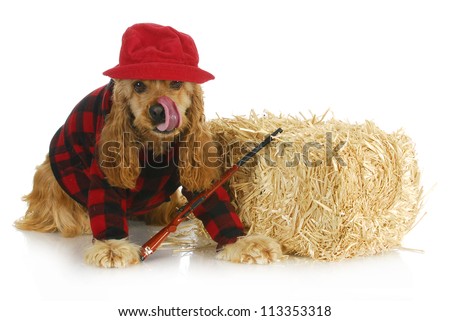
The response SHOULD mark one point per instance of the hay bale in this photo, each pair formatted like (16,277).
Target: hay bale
(361,200)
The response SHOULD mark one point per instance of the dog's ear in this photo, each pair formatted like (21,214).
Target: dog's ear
(198,165)
(118,149)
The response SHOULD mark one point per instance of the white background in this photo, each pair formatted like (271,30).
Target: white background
(386,61)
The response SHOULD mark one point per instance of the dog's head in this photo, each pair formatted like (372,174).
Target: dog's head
(158,110)
(150,114)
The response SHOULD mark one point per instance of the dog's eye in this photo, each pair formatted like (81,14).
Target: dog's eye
(139,87)
(176,84)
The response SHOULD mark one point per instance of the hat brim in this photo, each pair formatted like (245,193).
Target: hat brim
(160,71)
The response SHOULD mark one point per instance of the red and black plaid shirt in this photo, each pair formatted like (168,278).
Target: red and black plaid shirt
(72,151)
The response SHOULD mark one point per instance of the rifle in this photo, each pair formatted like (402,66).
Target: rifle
(152,244)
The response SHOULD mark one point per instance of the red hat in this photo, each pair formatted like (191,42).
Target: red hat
(151,51)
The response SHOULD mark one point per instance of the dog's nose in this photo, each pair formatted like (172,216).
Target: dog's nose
(157,113)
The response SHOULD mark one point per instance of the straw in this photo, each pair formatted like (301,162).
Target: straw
(360,202)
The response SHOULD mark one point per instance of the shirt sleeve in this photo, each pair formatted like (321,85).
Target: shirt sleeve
(219,217)
(107,207)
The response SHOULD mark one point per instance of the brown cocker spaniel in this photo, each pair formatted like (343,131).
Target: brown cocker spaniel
(125,150)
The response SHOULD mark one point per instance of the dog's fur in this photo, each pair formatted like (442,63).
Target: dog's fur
(50,209)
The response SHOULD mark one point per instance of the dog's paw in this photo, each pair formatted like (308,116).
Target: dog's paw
(252,249)
(112,253)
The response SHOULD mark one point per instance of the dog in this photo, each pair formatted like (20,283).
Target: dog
(127,148)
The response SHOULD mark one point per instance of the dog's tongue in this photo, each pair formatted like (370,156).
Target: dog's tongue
(172,115)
